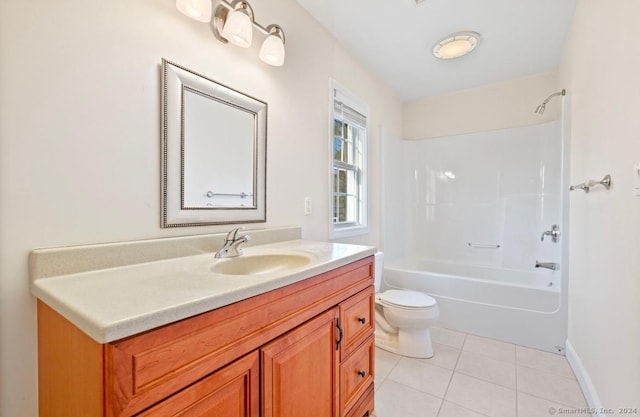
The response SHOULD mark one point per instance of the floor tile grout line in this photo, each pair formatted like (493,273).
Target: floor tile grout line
(482,380)
(398,358)
(494,358)
(467,408)
(459,351)
(516,370)
(413,388)
(486,380)
(546,372)
(550,400)
(444,396)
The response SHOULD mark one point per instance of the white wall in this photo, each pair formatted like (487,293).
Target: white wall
(80,135)
(600,71)
(494,106)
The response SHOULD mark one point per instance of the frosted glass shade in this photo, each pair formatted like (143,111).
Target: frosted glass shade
(238,29)
(199,10)
(272,51)
(456,45)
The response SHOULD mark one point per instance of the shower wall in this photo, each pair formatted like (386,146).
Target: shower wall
(499,188)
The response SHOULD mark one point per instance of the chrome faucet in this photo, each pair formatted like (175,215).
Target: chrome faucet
(554,233)
(231,247)
(549,265)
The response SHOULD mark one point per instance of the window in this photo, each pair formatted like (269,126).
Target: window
(348,164)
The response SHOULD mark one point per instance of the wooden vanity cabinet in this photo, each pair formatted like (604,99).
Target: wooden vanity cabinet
(232,391)
(303,349)
(300,371)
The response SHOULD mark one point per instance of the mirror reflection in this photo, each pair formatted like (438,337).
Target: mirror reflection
(214,152)
(217,139)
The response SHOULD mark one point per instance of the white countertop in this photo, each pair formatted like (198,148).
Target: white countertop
(113,303)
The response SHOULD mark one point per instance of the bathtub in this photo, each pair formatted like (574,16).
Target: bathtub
(515,306)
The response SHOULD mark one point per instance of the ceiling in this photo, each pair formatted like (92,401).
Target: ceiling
(394,39)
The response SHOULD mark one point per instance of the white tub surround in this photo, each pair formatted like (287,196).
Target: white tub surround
(104,291)
(476,214)
(482,198)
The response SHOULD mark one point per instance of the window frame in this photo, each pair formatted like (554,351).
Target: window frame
(361,227)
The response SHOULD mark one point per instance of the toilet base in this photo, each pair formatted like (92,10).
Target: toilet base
(411,343)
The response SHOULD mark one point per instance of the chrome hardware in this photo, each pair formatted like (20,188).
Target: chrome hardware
(606,182)
(211,194)
(483,246)
(585,186)
(548,265)
(554,233)
(231,247)
(362,320)
(362,374)
(340,334)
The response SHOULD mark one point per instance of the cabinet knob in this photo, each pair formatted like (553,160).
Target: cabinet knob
(362,374)
(362,320)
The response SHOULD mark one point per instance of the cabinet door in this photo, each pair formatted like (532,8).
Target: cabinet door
(300,371)
(232,391)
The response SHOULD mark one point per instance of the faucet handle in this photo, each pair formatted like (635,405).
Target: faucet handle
(554,233)
(231,236)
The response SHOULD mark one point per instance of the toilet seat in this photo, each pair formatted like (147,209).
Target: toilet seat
(406,299)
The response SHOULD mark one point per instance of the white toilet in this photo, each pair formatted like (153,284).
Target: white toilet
(403,318)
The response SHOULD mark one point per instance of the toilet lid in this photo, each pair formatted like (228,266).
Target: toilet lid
(406,298)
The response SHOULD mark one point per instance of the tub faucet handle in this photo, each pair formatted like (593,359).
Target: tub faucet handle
(554,233)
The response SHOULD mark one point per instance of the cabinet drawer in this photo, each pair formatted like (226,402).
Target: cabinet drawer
(232,391)
(356,374)
(364,407)
(356,319)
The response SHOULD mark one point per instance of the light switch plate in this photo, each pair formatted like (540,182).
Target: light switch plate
(308,206)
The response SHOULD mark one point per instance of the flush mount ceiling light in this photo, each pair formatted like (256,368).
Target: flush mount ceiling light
(456,45)
(233,23)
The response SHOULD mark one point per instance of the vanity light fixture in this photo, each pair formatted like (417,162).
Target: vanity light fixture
(456,45)
(233,22)
(272,50)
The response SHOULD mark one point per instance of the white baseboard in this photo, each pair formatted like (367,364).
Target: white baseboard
(584,380)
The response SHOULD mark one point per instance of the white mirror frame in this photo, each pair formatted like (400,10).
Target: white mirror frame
(174,213)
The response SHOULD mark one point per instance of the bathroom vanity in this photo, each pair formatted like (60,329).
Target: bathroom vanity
(302,348)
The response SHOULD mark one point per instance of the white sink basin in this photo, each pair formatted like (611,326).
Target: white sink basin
(259,264)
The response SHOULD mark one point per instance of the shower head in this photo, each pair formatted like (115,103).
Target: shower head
(541,108)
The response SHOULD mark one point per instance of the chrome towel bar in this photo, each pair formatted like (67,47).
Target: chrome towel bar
(211,194)
(483,246)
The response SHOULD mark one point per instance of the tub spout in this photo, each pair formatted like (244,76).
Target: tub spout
(548,265)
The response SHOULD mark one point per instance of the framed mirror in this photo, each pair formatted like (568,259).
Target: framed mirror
(213,151)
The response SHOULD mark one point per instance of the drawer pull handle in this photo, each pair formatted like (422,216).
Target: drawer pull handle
(362,374)
(362,320)
(340,334)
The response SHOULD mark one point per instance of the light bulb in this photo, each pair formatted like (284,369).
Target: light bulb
(272,50)
(199,10)
(238,29)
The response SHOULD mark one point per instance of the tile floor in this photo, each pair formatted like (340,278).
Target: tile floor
(471,376)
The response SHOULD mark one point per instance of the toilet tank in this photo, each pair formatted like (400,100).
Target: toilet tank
(377,273)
